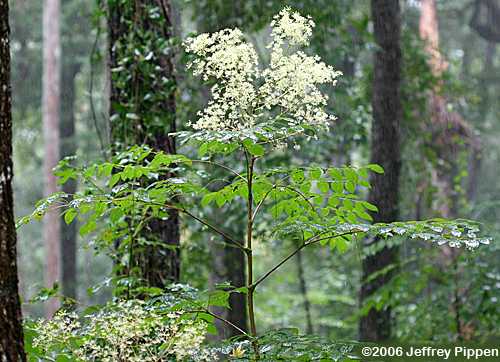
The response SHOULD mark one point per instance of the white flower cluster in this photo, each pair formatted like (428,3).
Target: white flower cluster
(127,332)
(292,28)
(225,56)
(243,96)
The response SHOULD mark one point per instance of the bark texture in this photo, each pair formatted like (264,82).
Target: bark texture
(385,151)
(50,117)
(11,332)
(130,22)
(68,148)
(228,265)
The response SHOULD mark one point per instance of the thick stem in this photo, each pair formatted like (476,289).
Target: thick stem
(251,287)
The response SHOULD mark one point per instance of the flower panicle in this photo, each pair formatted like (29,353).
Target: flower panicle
(246,95)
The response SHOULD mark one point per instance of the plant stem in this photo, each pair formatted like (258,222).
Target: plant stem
(251,289)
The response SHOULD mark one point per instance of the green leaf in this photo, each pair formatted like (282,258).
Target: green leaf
(298,175)
(369,206)
(333,201)
(341,244)
(375,168)
(208,198)
(115,214)
(88,228)
(254,148)
(337,187)
(351,175)
(348,204)
(316,173)
(114,179)
(220,199)
(203,149)
(69,216)
(219,298)
(350,186)
(363,214)
(335,174)
(323,186)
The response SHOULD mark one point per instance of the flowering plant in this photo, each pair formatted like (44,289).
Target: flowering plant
(253,108)
(253,101)
(129,330)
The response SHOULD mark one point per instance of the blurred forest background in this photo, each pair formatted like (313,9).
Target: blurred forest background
(449,171)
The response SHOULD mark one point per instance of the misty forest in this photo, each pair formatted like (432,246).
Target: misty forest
(247,180)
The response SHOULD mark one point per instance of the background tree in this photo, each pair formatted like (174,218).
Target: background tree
(50,117)
(385,151)
(143,111)
(76,46)
(11,333)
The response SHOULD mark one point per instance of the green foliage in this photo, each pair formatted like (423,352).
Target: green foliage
(305,204)
(288,345)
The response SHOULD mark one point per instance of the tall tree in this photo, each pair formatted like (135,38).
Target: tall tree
(50,117)
(11,332)
(450,131)
(68,148)
(385,151)
(75,45)
(141,51)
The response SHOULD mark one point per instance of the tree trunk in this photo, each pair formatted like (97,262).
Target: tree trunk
(68,148)
(446,127)
(229,266)
(385,151)
(11,332)
(142,110)
(50,116)
(303,292)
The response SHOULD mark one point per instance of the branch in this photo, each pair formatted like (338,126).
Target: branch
(221,166)
(262,201)
(308,242)
(223,320)
(234,242)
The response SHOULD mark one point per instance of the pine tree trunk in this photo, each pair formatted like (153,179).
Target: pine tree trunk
(11,332)
(68,148)
(50,116)
(385,151)
(130,23)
